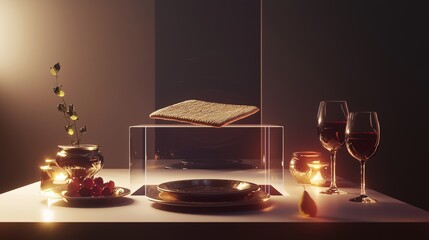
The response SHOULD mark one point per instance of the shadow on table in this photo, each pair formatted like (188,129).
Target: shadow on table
(341,183)
(93,203)
(224,210)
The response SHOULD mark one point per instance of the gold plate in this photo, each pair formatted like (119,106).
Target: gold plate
(117,193)
(253,198)
(208,189)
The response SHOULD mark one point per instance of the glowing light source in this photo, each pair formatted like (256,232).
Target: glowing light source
(315,164)
(60,178)
(317,177)
(308,167)
(47,215)
(52,177)
(7,35)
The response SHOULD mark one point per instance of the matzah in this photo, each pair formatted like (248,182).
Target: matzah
(204,113)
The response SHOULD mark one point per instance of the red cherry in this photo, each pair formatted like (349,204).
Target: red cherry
(96,191)
(85,192)
(106,191)
(88,182)
(98,181)
(110,185)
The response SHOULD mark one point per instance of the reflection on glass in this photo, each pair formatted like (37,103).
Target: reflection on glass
(331,125)
(362,140)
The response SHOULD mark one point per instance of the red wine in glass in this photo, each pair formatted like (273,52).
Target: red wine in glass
(331,134)
(362,140)
(331,125)
(362,145)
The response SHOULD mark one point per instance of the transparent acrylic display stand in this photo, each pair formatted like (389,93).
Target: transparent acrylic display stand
(170,152)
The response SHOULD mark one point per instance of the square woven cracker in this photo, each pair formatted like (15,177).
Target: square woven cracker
(204,113)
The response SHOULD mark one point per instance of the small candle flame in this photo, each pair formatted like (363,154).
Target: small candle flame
(317,179)
(316,164)
(60,178)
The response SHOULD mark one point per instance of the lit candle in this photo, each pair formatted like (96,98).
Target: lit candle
(52,176)
(316,176)
(60,178)
(308,167)
(45,177)
(317,179)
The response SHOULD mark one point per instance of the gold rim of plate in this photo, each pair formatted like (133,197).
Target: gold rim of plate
(165,198)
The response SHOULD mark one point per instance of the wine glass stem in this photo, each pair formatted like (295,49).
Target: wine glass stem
(333,173)
(362,178)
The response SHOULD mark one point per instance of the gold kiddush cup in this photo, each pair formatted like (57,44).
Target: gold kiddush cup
(80,161)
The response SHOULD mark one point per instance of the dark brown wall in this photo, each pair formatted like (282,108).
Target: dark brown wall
(106,50)
(208,50)
(372,54)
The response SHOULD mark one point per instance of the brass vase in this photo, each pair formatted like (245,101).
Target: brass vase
(81,161)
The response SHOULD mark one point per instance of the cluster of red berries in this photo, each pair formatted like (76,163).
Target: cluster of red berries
(89,187)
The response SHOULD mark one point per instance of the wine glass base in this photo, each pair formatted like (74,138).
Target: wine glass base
(333,191)
(363,199)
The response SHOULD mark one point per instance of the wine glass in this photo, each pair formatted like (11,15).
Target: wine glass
(331,126)
(362,139)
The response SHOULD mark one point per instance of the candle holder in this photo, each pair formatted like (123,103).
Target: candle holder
(308,167)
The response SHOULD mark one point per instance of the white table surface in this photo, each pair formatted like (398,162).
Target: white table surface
(26,204)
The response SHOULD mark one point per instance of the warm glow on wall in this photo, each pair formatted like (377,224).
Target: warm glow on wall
(7,35)
(95,41)
(28,32)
